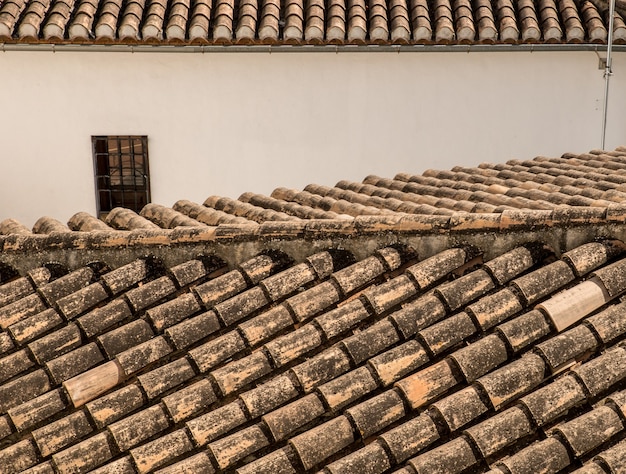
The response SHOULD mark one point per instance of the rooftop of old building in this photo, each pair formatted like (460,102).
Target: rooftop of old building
(468,320)
(295,22)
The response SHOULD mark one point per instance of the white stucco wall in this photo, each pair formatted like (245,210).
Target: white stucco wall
(225,123)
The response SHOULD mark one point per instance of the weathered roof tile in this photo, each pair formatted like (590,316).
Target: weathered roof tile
(499,431)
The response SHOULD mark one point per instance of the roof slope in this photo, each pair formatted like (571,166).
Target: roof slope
(209,22)
(495,344)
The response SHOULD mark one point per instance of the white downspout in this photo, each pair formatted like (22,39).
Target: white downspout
(608,71)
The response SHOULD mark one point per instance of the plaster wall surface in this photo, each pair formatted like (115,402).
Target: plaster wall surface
(225,123)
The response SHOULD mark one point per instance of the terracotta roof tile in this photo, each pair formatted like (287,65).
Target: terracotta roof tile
(254,22)
(274,364)
(216,423)
(499,431)
(56,343)
(184,403)
(452,457)
(32,412)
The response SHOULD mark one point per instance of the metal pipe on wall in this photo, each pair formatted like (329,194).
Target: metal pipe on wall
(608,72)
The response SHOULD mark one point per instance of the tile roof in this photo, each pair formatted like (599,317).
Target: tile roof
(463,320)
(207,22)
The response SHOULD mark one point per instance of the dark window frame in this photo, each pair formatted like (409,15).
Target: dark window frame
(121,171)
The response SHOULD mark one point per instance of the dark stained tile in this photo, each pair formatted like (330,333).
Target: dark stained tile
(150,293)
(358,275)
(371,341)
(34,326)
(73,363)
(549,455)
(395,363)
(588,257)
(321,368)
(221,288)
(339,320)
(377,413)
(36,410)
(599,374)
(192,330)
(614,457)
(418,314)
(61,433)
(288,281)
(84,456)
(478,358)
(567,346)
(513,380)
(6,343)
(231,449)
(427,384)
(268,396)
(509,265)
(553,400)
(523,330)
(590,468)
(433,269)
(460,408)
(447,333)
(125,337)
(452,457)
(391,293)
(493,309)
(166,377)
(80,301)
(131,431)
(612,277)
(499,431)
(125,277)
(277,462)
(121,466)
(216,423)
(410,437)
(14,364)
(241,306)
(14,290)
(307,304)
(115,405)
(321,442)
(191,271)
(465,289)
(19,456)
(43,468)
(590,430)
(266,324)
(197,463)
(142,355)
(56,344)
(372,459)
(160,451)
(261,267)
(610,323)
(239,373)
(543,281)
(347,388)
(101,319)
(183,404)
(21,309)
(217,350)
(66,285)
(174,311)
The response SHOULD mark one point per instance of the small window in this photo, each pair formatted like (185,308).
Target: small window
(122,174)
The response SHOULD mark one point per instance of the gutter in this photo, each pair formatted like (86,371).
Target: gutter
(419,48)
